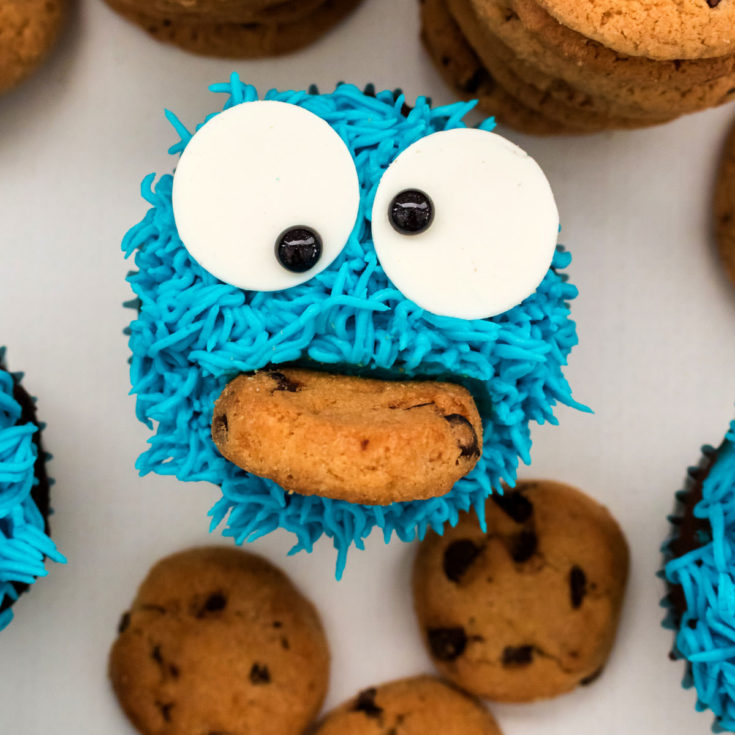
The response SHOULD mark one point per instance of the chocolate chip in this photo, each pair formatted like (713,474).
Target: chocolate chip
(577,586)
(220,426)
(517,656)
(156,655)
(165,710)
(458,558)
(277,624)
(447,644)
(124,623)
(593,677)
(215,603)
(515,505)
(713,3)
(174,671)
(473,83)
(366,703)
(285,645)
(260,674)
(283,383)
(468,444)
(523,546)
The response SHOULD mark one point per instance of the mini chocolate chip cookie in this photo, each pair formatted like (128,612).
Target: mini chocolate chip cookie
(219,641)
(28,31)
(356,439)
(419,706)
(529,609)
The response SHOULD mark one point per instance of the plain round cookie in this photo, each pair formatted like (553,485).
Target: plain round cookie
(463,71)
(725,206)
(419,706)
(666,29)
(528,610)
(28,31)
(240,40)
(219,641)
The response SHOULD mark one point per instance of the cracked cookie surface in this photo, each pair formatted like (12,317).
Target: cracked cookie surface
(658,29)
(528,610)
(219,641)
(417,706)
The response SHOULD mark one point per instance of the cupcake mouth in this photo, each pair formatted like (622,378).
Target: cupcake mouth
(360,439)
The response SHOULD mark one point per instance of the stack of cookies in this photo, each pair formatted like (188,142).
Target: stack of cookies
(236,28)
(570,67)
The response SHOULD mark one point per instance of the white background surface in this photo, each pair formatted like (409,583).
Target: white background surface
(656,360)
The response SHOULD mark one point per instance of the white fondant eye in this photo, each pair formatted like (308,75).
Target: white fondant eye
(265,195)
(465,224)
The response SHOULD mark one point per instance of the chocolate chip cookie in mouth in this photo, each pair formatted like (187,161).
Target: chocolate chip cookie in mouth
(358,439)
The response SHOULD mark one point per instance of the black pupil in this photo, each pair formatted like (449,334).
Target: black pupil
(298,249)
(411,212)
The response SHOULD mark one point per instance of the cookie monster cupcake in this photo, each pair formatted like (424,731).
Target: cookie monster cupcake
(24,495)
(701,581)
(349,311)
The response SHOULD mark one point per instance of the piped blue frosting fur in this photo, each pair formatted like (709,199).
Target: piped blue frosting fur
(24,545)
(194,333)
(705,634)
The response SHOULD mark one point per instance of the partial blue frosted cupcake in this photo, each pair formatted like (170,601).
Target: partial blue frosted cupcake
(700,575)
(338,247)
(24,495)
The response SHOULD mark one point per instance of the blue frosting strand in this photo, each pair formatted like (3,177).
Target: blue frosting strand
(705,634)
(24,545)
(194,333)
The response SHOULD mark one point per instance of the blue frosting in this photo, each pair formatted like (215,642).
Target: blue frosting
(705,632)
(194,333)
(24,544)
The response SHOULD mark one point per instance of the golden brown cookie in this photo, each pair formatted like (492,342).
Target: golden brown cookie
(659,87)
(725,206)
(356,439)
(580,72)
(240,40)
(567,106)
(463,71)
(419,706)
(219,641)
(603,61)
(28,31)
(530,609)
(665,29)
